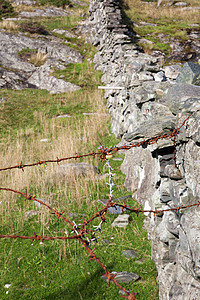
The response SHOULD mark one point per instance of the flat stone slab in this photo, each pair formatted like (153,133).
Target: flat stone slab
(65,32)
(77,169)
(47,12)
(38,204)
(121,221)
(31,213)
(123,277)
(76,215)
(130,253)
(63,116)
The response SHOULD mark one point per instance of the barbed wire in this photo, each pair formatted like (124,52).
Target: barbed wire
(103,150)
(79,231)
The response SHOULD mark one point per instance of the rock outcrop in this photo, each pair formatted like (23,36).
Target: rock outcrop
(146,100)
(18,72)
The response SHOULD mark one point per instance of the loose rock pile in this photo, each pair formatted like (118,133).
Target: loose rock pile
(144,101)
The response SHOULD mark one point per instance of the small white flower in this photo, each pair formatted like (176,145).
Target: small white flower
(7,285)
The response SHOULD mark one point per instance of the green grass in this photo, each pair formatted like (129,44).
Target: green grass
(170,23)
(21,106)
(82,74)
(61,270)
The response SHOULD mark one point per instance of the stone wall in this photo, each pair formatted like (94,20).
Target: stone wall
(146,101)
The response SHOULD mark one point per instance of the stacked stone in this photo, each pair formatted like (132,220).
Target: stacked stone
(145,101)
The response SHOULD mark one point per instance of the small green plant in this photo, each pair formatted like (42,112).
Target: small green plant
(6,9)
(58,3)
(9,25)
(82,74)
(38,59)
(26,53)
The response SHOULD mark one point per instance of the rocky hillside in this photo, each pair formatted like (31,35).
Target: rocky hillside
(29,53)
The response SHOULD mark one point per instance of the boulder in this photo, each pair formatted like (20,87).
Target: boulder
(151,129)
(190,73)
(121,221)
(178,95)
(172,71)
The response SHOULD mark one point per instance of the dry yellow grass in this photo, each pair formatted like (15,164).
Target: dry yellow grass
(64,139)
(23,7)
(9,25)
(150,10)
(38,58)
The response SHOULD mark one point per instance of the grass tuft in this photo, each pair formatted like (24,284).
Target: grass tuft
(38,59)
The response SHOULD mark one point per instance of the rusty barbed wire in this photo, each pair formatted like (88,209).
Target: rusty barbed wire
(79,231)
(78,234)
(103,150)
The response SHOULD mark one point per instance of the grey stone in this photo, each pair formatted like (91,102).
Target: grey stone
(181,3)
(121,292)
(172,222)
(77,169)
(3,100)
(145,76)
(172,249)
(191,105)
(31,213)
(163,234)
(130,253)
(64,32)
(46,12)
(192,168)
(190,8)
(123,277)
(172,172)
(26,75)
(154,110)
(76,215)
(135,67)
(178,94)
(63,116)
(42,80)
(152,129)
(150,90)
(172,71)
(160,76)
(123,198)
(38,204)
(190,73)
(120,221)
(165,195)
(24,2)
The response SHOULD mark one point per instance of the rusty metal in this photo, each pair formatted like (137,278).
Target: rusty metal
(79,231)
(103,151)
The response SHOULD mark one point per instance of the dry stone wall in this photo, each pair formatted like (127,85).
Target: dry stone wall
(144,101)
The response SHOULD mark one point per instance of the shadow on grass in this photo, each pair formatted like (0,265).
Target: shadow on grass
(89,288)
